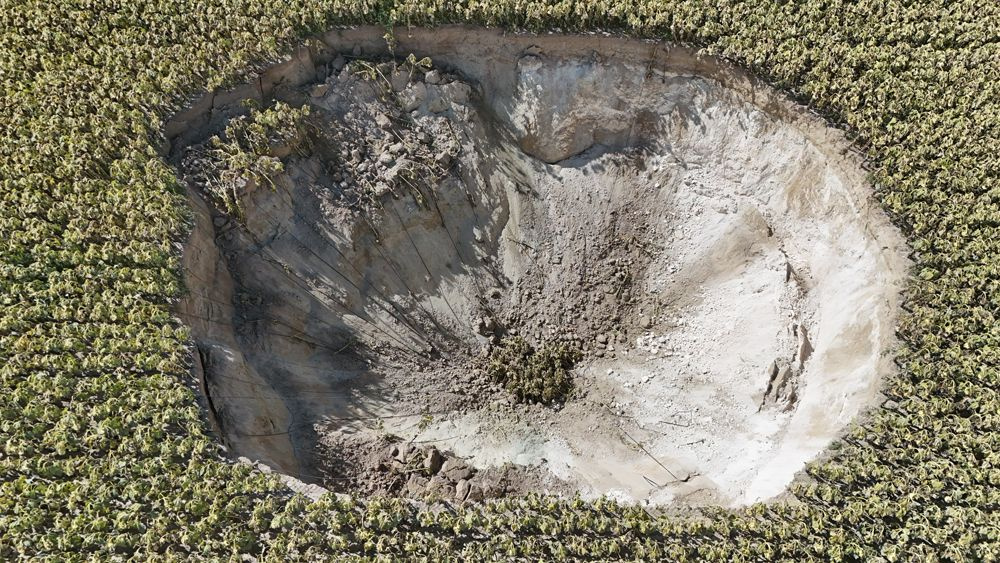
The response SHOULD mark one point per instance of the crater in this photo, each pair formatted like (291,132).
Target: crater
(467,264)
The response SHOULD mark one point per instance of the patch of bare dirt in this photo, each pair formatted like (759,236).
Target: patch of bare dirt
(707,247)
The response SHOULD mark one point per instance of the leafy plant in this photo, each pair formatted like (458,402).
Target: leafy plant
(250,153)
(537,375)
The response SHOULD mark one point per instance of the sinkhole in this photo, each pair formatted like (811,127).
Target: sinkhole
(512,262)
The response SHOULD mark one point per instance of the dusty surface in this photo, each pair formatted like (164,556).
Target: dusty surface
(710,248)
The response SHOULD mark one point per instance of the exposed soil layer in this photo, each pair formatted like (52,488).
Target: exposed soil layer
(712,250)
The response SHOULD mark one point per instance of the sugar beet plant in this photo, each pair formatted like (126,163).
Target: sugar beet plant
(538,375)
(103,451)
(250,152)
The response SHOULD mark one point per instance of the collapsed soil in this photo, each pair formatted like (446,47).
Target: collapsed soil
(708,248)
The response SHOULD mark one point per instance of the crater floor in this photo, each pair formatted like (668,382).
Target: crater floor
(713,251)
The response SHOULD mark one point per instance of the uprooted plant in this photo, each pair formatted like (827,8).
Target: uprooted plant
(533,374)
(252,148)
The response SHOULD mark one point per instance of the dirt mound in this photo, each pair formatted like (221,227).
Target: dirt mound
(704,257)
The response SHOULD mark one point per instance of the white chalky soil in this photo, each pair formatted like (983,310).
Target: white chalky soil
(714,248)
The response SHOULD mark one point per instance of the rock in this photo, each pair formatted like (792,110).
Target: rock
(356,51)
(457,92)
(462,489)
(319,90)
(602,338)
(219,221)
(433,461)
(416,485)
(485,326)
(784,375)
(396,148)
(413,97)
(399,80)
(338,63)
(383,121)
(439,487)
(433,77)
(443,159)
(386,158)
(475,493)
(805,348)
(645,322)
(793,397)
(456,470)
(437,103)
(391,174)
(403,450)
(772,372)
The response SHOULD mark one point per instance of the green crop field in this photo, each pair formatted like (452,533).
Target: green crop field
(104,453)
